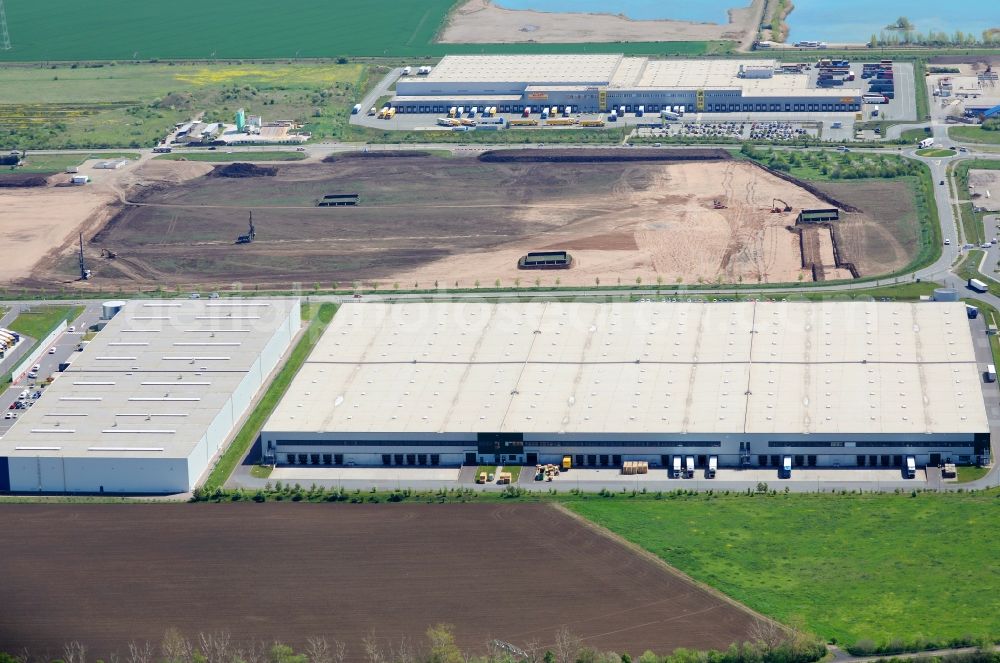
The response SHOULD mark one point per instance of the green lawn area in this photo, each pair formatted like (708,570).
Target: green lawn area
(57,163)
(223,156)
(125,30)
(38,321)
(974,135)
(849,567)
(967,474)
(261,471)
(115,105)
(232,456)
(489,469)
(933,152)
(914,135)
(515,472)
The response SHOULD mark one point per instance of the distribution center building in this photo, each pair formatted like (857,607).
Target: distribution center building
(151,400)
(599,83)
(831,384)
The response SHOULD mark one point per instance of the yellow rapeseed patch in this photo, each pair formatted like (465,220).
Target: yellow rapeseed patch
(292,74)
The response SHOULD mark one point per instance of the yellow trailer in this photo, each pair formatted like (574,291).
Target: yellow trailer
(592,123)
(523,123)
(567,463)
(560,123)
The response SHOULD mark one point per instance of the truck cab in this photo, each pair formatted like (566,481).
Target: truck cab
(689,466)
(713,465)
(786,468)
(675,471)
(910,470)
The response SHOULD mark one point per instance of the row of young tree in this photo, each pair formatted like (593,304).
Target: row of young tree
(912,37)
(769,643)
(843,165)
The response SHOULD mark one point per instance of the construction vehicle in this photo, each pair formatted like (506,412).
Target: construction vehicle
(775,209)
(717,204)
(109,254)
(84,272)
(250,236)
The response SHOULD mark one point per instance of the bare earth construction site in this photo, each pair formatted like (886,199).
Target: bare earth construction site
(626,216)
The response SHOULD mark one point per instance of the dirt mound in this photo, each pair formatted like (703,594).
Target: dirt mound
(825,197)
(602,155)
(22,180)
(381,154)
(240,169)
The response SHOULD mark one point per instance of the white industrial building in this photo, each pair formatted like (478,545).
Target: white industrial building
(827,384)
(151,400)
(601,82)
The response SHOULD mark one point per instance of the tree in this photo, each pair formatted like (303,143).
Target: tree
(318,651)
(175,648)
(442,645)
(567,646)
(215,647)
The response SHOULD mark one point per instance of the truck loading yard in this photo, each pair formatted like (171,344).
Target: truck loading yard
(383,552)
(426,219)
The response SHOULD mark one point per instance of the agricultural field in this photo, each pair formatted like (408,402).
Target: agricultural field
(135,105)
(514,572)
(643,221)
(63,30)
(848,568)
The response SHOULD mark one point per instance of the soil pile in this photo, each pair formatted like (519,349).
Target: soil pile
(240,169)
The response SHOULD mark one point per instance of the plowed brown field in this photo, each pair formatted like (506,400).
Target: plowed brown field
(107,574)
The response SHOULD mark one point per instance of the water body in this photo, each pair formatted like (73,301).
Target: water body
(855,21)
(695,11)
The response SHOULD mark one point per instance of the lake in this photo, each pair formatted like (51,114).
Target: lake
(820,20)
(700,11)
(857,20)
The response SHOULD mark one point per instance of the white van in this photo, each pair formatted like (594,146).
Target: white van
(689,466)
(911,467)
(713,465)
(676,473)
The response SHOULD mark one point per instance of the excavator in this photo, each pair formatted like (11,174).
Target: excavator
(775,209)
(717,204)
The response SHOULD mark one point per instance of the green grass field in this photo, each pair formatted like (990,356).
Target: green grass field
(967,474)
(224,157)
(320,317)
(135,105)
(515,472)
(186,29)
(974,135)
(38,321)
(848,567)
(914,135)
(57,163)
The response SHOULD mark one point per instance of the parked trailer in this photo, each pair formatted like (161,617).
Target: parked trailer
(713,466)
(926,142)
(676,468)
(689,466)
(911,467)
(978,286)
(874,99)
(991,373)
(591,123)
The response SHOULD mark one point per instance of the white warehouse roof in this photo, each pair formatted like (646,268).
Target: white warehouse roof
(154,381)
(570,68)
(750,367)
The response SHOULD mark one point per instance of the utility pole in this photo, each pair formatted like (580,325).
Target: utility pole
(4,33)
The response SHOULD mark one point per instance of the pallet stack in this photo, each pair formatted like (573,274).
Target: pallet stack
(635,467)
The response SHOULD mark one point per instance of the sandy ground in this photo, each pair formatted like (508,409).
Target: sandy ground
(43,223)
(37,222)
(668,232)
(985,183)
(480,21)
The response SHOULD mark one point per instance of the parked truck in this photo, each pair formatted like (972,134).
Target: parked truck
(977,285)
(991,373)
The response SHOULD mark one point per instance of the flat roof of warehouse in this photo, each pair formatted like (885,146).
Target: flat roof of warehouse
(552,68)
(151,382)
(646,368)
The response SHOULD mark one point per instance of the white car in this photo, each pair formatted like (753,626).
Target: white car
(32,375)
(52,350)
(9,415)
(947,242)
(71,329)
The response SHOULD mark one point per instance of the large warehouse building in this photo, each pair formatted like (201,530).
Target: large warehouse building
(151,400)
(830,384)
(598,83)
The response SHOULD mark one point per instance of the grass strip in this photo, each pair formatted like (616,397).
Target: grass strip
(224,157)
(251,429)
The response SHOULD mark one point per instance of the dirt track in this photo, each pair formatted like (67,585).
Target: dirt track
(107,574)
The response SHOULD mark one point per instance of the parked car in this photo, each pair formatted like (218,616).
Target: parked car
(9,415)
